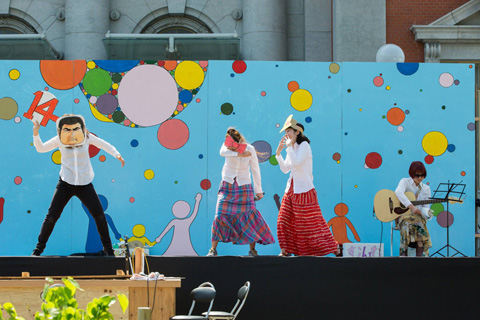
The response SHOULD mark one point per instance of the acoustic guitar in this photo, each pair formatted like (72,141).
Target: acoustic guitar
(387,207)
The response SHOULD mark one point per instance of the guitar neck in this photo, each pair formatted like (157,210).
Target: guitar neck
(420,202)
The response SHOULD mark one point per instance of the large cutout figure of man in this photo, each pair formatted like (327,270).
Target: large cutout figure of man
(76,175)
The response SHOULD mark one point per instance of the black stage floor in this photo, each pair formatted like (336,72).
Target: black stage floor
(302,287)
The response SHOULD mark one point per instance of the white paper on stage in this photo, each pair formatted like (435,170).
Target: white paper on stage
(363,249)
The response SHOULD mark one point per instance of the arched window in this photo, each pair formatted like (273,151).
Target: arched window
(20,41)
(13,25)
(174,38)
(176,25)
(6,30)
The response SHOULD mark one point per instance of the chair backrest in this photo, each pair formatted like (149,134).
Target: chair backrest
(204,293)
(242,296)
(207,284)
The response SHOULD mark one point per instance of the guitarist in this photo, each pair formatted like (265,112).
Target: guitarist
(413,225)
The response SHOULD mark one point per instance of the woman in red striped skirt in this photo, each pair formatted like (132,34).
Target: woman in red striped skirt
(237,219)
(301,228)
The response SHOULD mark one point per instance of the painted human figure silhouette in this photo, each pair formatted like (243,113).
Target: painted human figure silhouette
(139,235)
(181,244)
(339,225)
(94,244)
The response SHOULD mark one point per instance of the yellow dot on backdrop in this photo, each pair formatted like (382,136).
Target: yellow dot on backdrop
(189,75)
(115,86)
(360,109)
(132,125)
(301,100)
(57,157)
(338,161)
(91,65)
(356,186)
(334,67)
(149,174)
(387,87)
(434,143)
(14,74)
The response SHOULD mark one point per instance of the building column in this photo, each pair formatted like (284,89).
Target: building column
(358,33)
(264,30)
(86,23)
(318,30)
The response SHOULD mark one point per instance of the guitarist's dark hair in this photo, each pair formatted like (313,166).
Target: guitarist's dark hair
(417,167)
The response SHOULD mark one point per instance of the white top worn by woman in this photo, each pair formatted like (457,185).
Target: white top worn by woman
(298,162)
(238,167)
(76,168)
(423,190)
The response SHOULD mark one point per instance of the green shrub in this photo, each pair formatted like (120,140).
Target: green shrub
(60,304)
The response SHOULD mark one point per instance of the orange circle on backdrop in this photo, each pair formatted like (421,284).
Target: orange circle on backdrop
(293,86)
(102,158)
(341,209)
(63,74)
(395,116)
(170,65)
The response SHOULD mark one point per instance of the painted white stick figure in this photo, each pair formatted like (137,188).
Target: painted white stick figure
(181,244)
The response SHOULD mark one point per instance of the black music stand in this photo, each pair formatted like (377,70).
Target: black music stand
(449,190)
(128,259)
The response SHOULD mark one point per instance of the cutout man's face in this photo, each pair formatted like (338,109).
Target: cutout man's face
(72,134)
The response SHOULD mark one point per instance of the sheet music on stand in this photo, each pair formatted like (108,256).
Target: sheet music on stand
(450,192)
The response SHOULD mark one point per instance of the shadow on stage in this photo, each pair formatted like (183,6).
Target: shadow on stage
(300,287)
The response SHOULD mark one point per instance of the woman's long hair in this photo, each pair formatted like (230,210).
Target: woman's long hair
(301,137)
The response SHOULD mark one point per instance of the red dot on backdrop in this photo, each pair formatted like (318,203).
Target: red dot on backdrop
(373,160)
(205,184)
(429,159)
(93,151)
(239,66)
(378,81)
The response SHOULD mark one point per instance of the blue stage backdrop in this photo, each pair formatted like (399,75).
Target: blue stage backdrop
(366,121)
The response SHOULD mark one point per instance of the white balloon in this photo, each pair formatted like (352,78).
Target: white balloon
(390,53)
